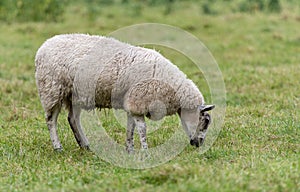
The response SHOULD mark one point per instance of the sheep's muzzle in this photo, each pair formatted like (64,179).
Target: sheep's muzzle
(197,142)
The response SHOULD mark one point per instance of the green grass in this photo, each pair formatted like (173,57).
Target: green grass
(258,148)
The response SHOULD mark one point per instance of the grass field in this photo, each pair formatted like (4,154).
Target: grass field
(258,148)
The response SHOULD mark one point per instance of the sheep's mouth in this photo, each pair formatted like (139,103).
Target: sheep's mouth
(197,142)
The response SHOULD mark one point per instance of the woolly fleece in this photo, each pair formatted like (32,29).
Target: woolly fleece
(102,72)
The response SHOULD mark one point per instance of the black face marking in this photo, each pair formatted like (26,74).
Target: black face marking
(204,120)
(207,119)
(49,117)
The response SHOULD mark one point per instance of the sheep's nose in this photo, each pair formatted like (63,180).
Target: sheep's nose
(194,142)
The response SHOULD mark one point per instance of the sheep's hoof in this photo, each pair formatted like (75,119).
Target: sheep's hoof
(58,150)
(86,147)
(143,155)
(130,152)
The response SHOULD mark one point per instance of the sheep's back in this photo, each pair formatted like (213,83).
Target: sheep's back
(98,72)
(73,63)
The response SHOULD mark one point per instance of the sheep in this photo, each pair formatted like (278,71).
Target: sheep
(82,71)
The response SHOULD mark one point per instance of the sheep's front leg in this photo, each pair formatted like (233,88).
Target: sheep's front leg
(74,121)
(140,124)
(51,119)
(130,134)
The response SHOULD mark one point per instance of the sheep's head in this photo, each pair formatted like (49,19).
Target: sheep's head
(204,121)
(196,122)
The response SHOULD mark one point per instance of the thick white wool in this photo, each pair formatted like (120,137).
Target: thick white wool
(96,71)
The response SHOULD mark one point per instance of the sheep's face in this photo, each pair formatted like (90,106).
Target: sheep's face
(204,120)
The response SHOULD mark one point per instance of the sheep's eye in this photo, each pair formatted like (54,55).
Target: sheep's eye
(207,119)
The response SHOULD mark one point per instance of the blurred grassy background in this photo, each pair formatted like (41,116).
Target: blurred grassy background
(53,10)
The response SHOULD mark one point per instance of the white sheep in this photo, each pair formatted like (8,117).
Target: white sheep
(86,72)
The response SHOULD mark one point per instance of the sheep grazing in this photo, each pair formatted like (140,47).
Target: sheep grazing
(86,72)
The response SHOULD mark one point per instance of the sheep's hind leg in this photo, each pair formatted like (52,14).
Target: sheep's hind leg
(130,134)
(51,119)
(74,121)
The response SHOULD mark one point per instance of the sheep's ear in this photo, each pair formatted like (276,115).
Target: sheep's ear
(204,108)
